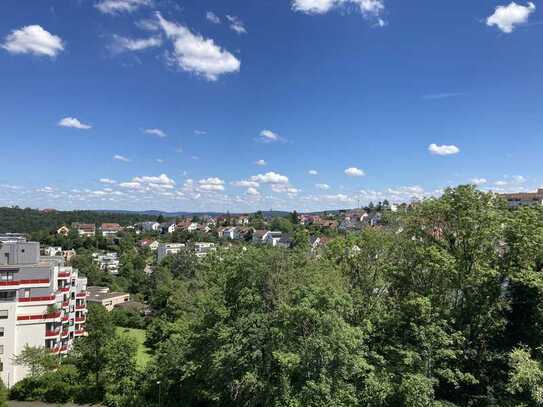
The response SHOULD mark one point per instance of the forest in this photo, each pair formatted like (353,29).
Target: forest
(19,220)
(441,308)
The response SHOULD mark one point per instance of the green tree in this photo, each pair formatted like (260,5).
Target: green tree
(37,360)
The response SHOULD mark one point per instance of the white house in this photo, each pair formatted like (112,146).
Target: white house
(150,226)
(168,249)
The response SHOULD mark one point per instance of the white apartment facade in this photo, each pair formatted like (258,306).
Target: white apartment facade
(168,249)
(42,303)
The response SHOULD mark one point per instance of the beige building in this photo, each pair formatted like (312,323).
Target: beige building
(102,296)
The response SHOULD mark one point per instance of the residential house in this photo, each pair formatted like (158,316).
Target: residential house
(230,233)
(203,248)
(63,231)
(285,241)
(168,249)
(259,236)
(524,198)
(242,220)
(151,244)
(110,229)
(150,226)
(107,261)
(85,229)
(273,237)
(168,228)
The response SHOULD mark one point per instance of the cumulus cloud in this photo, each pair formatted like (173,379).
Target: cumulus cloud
(121,44)
(507,17)
(149,183)
(261,163)
(119,157)
(107,181)
(246,184)
(211,184)
(354,172)
(268,136)
(443,149)
(156,132)
(252,191)
(73,123)
(324,187)
(211,16)
(196,54)
(236,24)
(270,178)
(313,172)
(121,6)
(33,39)
(368,8)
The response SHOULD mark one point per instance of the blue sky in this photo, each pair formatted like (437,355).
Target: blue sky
(255,104)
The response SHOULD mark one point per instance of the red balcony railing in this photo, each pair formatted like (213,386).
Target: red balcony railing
(20,282)
(64,289)
(35,299)
(81,306)
(53,332)
(80,319)
(81,294)
(64,274)
(65,304)
(51,315)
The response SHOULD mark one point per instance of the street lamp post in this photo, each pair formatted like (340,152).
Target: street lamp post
(159,401)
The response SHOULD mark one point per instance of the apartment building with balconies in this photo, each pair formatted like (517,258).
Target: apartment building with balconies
(42,304)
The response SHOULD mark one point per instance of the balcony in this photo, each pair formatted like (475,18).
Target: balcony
(81,306)
(15,283)
(66,304)
(39,317)
(52,333)
(46,298)
(64,274)
(64,289)
(82,294)
(80,319)
(65,333)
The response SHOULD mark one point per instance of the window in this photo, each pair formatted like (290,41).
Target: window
(1,349)
(6,276)
(7,295)
(1,331)
(4,314)
(1,366)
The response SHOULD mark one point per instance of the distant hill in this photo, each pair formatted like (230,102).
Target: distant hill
(27,220)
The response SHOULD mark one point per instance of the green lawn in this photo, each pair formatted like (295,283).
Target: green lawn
(142,356)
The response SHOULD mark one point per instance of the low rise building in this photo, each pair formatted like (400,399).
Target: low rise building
(85,229)
(524,198)
(201,249)
(42,304)
(110,229)
(150,226)
(168,249)
(107,261)
(102,296)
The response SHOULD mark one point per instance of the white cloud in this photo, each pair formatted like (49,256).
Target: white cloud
(107,181)
(120,158)
(194,53)
(261,163)
(270,178)
(211,16)
(236,24)
(354,172)
(160,160)
(162,179)
(200,132)
(268,136)
(121,6)
(443,149)
(73,123)
(313,172)
(368,8)
(246,184)
(324,187)
(33,39)
(156,132)
(130,185)
(507,17)
(253,191)
(134,44)
(211,184)
(478,181)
